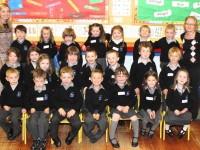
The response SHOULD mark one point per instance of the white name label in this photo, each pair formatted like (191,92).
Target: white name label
(121,93)
(185,101)
(115,48)
(46,46)
(93,41)
(170,74)
(40,98)
(149,98)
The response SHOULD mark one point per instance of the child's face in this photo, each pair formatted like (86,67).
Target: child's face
(121,78)
(72,58)
(91,57)
(145,52)
(144,32)
(66,78)
(46,34)
(96,79)
(5,13)
(44,64)
(182,78)
(39,82)
(12,57)
(13,78)
(68,39)
(151,81)
(117,34)
(34,56)
(20,35)
(170,34)
(174,58)
(190,25)
(95,31)
(112,59)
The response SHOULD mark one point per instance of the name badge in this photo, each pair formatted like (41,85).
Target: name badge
(115,48)
(149,98)
(170,74)
(184,101)
(46,46)
(46,82)
(93,41)
(40,98)
(113,76)
(89,78)
(121,93)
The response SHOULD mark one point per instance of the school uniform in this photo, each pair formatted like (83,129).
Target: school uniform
(178,99)
(138,70)
(164,44)
(7,66)
(136,54)
(28,76)
(66,97)
(23,48)
(12,96)
(87,69)
(191,60)
(38,123)
(96,102)
(63,48)
(120,47)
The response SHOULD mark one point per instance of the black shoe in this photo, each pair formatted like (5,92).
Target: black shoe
(69,139)
(150,134)
(134,144)
(10,133)
(34,145)
(143,132)
(57,142)
(170,132)
(181,134)
(42,145)
(149,125)
(121,122)
(93,139)
(115,145)
(14,136)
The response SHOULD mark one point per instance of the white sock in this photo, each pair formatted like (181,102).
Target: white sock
(166,127)
(185,127)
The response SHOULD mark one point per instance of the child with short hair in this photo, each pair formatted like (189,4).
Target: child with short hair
(21,43)
(96,40)
(179,104)
(150,103)
(69,37)
(37,101)
(67,101)
(117,43)
(122,98)
(141,66)
(95,101)
(12,102)
(145,33)
(165,43)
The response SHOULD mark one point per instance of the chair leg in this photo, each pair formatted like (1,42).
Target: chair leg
(188,136)
(80,135)
(106,135)
(130,126)
(25,116)
(52,141)
(161,123)
(163,129)
(23,127)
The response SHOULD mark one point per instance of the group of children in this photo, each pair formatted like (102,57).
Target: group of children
(31,86)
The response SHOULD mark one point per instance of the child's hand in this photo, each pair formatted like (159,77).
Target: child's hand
(70,113)
(120,108)
(137,91)
(96,116)
(125,109)
(84,48)
(62,112)
(32,110)
(46,111)
(152,115)
(6,108)
(184,110)
(165,91)
(23,110)
(177,112)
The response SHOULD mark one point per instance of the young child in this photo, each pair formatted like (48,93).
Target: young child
(168,72)
(90,56)
(165,43)
(96,40)
(67,101)
(21,43)
(72,57)
(150,103)
(32,58)
(179,104)
(69,37)
(38,103)
(12,102)
(141,66)
(96,101)
(117,43)
(145,33)
(13,60)
(47,43)
(122,98)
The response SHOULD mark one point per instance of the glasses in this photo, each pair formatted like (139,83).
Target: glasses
(188,24)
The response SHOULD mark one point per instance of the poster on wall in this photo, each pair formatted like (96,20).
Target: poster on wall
(57,9)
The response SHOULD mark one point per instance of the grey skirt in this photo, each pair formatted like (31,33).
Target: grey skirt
(143,114)
(131,113)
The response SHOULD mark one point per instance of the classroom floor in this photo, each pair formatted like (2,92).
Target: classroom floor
(123,135)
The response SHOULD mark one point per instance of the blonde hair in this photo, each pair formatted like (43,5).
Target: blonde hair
(8,21)
(12,71)
(67,69)
(68,32)
(170,27)
(39,73)
(51,34)
(174,50)
(113,51)
(102,32)
(96,71)
(194,19)
(32,49)
(41,58)
(145,26)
